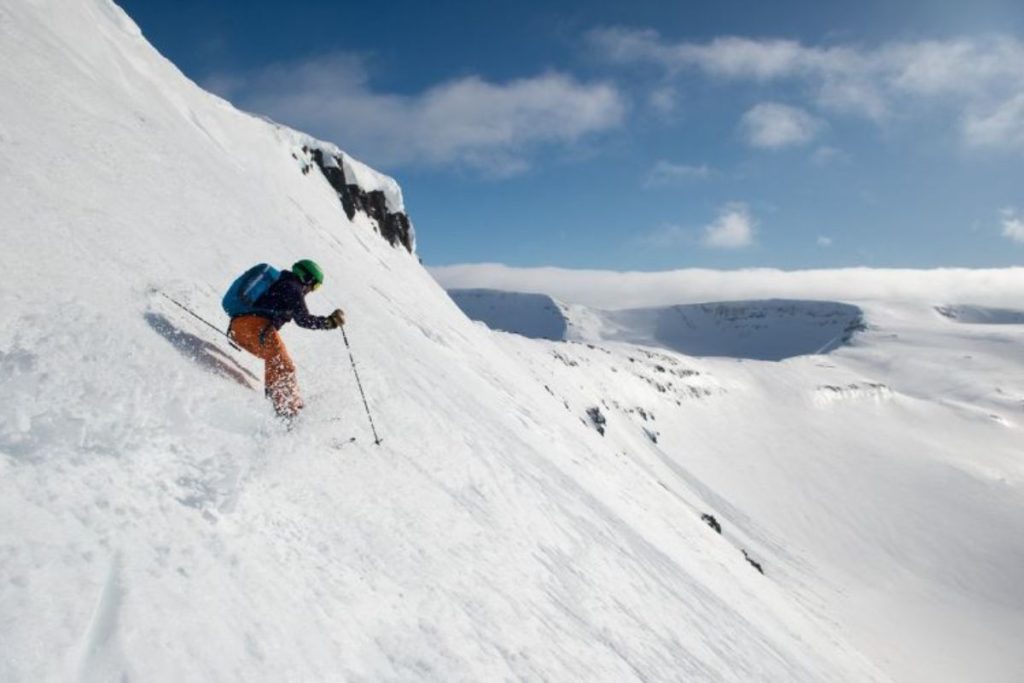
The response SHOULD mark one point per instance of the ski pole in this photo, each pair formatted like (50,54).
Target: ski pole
(200,319)
(376,439)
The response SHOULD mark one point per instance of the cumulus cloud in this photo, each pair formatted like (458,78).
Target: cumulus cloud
(967,75)
(726,56)
(469,121)
(668,173)
(928,67)
(771,125)
(957,66)
(733,229)
(853,96)
(1002,127)
(617,290)
(1013,226)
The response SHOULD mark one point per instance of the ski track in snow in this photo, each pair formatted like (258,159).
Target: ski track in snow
(157,523)
(101,654)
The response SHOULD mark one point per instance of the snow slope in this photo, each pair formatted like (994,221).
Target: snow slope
(532,315)
(157,524)
(982,315)
(883,484)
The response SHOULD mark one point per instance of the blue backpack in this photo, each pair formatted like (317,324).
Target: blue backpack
(247,288)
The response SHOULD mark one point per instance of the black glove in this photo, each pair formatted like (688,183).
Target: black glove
(336,319)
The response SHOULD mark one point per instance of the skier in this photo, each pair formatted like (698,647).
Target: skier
(255,327)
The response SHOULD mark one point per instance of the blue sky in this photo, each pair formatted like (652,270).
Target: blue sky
(650,135)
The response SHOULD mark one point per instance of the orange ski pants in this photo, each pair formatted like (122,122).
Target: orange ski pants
(256,335)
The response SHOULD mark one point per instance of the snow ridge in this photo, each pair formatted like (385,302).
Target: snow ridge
(764,330)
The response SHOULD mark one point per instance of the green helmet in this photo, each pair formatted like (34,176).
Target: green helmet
(309,272)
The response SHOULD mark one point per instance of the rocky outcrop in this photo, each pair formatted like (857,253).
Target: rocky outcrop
(597,419)
(394,226)
(712,522)
(753,563)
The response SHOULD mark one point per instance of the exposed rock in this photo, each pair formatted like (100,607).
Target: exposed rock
(394,227)
(597,419)
(565,359)
(753,563)
(712,522)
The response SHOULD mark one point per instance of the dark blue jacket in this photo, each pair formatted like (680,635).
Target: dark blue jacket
(285,301)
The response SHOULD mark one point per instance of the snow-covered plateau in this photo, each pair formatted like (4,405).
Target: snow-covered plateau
(875,468)
(539,509)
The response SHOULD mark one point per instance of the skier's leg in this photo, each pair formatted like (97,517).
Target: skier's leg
(256,335)
(282,384)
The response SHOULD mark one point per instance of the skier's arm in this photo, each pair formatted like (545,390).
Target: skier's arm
(303,318)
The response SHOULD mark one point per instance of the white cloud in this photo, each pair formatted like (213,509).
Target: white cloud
(664,100)
(1013,226)
(761,60)
(615,290)
(667,173)
(824,241)
(771,125)
(958,66)
(1003,127)
(853,96)
(965,75)
(927,67)
(471,122)
(733,229)
(726,56)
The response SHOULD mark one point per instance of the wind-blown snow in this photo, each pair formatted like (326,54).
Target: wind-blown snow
(156,523)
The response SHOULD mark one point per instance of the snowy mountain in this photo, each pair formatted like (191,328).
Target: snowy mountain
(764,330)
(537,509)
(532,315)
(158,524)
(876,470)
